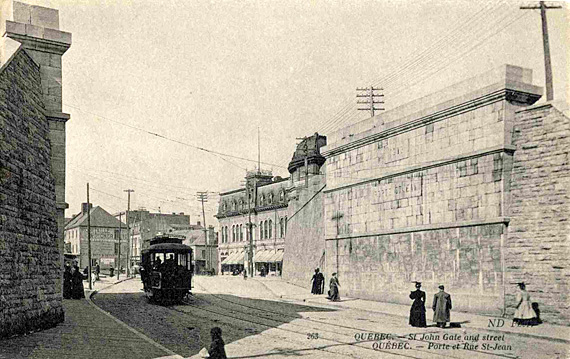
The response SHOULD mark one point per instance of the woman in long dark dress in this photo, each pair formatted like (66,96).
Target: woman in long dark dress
(318,281)
(77,291)
(418,310)
(333,291)
(67,281)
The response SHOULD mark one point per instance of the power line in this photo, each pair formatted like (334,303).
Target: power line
(171,139)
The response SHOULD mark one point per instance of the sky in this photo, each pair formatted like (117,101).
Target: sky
(147,83)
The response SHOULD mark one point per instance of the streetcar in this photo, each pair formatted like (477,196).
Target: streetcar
(166,269)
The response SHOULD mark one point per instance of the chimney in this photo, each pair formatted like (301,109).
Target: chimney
(84,208)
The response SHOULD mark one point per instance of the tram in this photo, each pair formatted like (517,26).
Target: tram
(166,269)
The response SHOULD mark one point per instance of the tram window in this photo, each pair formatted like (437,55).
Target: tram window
(158,256)
(182,260)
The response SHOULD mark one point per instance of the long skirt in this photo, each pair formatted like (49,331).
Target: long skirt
(418,317)
(333,294)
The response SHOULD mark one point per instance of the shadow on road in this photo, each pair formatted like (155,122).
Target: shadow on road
(185,328)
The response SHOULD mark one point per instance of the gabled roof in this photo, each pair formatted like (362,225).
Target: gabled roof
(99,218)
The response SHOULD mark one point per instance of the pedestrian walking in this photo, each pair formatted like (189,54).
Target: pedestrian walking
(217,350)
(524,314)
(441,307)
(333,289)
(418,310)
(244,274)
(77,291)
(97,271)
(318,282)
(67,281)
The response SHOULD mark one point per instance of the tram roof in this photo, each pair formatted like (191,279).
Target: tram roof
(179,247)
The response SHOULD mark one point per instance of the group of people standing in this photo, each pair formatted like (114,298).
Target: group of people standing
(441,305)
(319,285)
(72,282)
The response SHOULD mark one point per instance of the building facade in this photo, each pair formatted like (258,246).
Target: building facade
(466,187)
(263,202)
(32,167)
(109,238)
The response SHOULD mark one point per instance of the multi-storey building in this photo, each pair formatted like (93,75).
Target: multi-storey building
(107,234)
(263,203)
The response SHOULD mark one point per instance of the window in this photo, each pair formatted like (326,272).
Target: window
(282,196)
(241,232)
(265,230)
(270,229)
(116,248)
(260,230)
(285,225)
(233,233)
(203,253)
(281,225)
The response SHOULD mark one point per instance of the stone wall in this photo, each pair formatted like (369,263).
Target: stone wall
(538,238)
(420,193)
(304,242)
(30,266)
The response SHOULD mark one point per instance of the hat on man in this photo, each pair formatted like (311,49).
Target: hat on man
(441,286)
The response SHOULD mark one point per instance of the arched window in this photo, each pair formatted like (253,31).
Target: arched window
(270,229)
(282,196)
(281,227)
(241,232)
(270,198)
(260,230)
(265,229)
(285,225)
(234,230)
(262,200)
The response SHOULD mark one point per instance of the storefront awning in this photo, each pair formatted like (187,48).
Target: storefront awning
(234,258)
(262,256)
(276,257)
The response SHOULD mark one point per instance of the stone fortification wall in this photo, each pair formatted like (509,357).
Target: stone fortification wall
(419,193)
(304,242)
(30,266)
(538,238)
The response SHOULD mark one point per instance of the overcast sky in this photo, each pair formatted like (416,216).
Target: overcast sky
(210,73)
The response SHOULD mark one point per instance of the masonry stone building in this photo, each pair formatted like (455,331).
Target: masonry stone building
(467,187)
(32,167)
(267,207)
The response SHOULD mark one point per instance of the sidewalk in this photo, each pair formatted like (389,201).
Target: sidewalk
(288,291)
(87,332)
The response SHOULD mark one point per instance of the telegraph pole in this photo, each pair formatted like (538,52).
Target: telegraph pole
(203,197)
(89,237)
(547,63)
(368,93)
(128,232)
(120,226)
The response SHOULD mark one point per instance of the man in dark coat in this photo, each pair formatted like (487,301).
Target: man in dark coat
(418,310)
(441,307)
(318,282)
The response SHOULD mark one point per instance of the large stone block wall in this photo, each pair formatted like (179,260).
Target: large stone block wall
(30,265)
(467,260)
(304,242)
(537,246)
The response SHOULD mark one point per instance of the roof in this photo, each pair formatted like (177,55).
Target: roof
(99,218)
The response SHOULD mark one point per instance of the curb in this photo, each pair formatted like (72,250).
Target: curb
(170,353)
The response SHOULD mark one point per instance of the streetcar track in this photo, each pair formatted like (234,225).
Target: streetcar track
(401,338)
(395,337)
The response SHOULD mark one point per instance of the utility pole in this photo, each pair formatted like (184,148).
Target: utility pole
(370,96)
(203,197)
(120,226)
(89,237)
(547,63)
(305,139)
(129,249)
